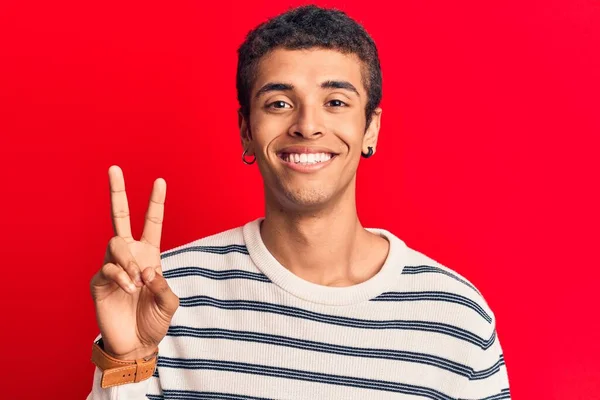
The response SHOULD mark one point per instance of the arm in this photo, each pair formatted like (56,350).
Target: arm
(146,389)
(490,378)
(134,304)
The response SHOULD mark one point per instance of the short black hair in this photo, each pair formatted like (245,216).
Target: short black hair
(308,27)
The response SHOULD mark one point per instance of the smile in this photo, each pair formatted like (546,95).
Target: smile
(306,162)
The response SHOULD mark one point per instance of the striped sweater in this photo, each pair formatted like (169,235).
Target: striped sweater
(248,328)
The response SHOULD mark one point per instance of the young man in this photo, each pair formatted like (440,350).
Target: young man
(305,303)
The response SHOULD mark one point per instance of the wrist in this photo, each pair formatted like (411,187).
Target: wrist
(117,371)
(132,355)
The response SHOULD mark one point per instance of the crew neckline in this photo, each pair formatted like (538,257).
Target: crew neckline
(384,279)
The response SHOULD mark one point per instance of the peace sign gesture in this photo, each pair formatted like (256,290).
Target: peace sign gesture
(134,304)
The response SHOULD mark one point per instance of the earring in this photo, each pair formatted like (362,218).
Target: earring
(246,161)
(369,154)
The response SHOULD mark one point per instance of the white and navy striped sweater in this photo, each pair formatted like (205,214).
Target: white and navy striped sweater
(247,328)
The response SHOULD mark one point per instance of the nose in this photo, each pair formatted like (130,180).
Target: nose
(307,124)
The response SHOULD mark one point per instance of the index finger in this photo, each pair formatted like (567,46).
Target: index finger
(118,204)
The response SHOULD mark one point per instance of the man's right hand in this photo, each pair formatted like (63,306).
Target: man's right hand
(134,304)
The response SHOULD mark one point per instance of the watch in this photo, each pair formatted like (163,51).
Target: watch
(118,372)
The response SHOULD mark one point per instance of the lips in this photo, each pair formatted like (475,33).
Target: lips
(306,150)
(306,159)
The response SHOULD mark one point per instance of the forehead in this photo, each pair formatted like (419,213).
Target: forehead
(308,68)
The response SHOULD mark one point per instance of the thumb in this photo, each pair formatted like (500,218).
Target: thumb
(166,300)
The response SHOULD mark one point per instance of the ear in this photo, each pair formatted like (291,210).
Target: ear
(245,135)
(372,132)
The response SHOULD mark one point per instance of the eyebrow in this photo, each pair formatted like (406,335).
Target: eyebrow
(274,87)
(285,87)
(340,85)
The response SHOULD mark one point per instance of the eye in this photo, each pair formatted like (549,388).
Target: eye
(336,103)
(278,104)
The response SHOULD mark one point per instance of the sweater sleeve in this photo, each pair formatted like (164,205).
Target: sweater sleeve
(489,379)
(147,389)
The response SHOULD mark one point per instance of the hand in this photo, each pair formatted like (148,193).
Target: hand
(134,304)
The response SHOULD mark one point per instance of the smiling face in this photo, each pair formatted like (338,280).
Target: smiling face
(306,125)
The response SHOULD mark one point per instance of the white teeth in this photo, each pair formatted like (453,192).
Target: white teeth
(306,158)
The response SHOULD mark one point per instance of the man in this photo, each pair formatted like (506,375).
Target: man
(304,303)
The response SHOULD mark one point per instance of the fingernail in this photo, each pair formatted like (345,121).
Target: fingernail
(138,280)
(131,287)
(151,275)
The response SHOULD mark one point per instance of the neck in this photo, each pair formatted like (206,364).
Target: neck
(327,246)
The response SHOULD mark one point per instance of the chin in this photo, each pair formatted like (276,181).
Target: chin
(307,197)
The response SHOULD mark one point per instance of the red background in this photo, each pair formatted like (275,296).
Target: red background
(487,162)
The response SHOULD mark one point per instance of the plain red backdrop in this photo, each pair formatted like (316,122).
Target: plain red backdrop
(487,162)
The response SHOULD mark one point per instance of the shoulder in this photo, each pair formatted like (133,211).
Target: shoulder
(427,275)
(418,262)
(227,242)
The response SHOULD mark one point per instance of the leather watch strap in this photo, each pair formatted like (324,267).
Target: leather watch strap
(118,372)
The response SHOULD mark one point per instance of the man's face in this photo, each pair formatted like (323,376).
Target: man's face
(307,125)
